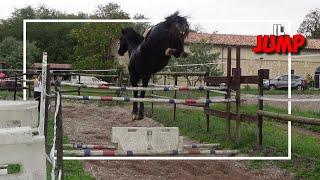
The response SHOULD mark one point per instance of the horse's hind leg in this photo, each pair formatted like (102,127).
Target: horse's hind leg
(145,82)
(134,83)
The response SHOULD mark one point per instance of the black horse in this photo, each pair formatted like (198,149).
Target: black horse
(151,54)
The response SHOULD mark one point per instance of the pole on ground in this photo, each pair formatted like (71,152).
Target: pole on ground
(175,96)
(238,103)
(228,95)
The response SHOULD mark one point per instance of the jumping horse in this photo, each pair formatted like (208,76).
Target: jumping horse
(151,54)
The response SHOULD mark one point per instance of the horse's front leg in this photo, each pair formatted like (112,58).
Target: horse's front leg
(145,82)
(134,83)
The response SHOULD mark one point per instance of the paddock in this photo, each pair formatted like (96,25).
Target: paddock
(234,78)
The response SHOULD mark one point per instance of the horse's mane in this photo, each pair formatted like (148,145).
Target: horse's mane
(176,18)
(132,35)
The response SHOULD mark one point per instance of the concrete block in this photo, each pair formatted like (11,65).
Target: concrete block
(18,114)
(19,146)
(146,138)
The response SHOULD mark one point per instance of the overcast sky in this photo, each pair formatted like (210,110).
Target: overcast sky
(292,10)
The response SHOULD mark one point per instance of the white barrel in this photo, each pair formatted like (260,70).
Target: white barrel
(18,114)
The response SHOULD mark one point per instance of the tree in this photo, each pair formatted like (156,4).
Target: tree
(110,11)
(49,37)
(11,51)
(140,27)
(94,41)
(310,26)
(13,26)
(200,53)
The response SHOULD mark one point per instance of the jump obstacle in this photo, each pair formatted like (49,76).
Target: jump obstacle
(153,100)
(142,141)
(89,152)
(114,146)
(164,88)
(19,144)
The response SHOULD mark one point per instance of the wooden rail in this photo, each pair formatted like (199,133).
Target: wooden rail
(287,117)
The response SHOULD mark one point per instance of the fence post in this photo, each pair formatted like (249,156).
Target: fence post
(59,132)
(263,74)
(43,97)
(175,96)
(47,102)
(15,87)
(79,88)
(238,88)
(29,86)
(207,106)
(228,95)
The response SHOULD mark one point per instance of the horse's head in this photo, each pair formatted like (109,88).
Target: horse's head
(128,40)
(123,44)
(178,25)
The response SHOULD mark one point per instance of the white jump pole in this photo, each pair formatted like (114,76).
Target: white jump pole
(43,93)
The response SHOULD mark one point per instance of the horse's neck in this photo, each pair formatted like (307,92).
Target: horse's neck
(134,42)
(158,33)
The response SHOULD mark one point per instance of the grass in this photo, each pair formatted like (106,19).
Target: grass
(306,149)
(14,168)
(73,169)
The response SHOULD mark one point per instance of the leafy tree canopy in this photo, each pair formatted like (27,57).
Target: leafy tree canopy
(10,50)
(68,42)
(310,26)
(200,53)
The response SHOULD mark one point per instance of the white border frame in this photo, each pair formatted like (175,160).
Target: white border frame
(25,21)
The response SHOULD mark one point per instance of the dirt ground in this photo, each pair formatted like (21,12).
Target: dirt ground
(89,123)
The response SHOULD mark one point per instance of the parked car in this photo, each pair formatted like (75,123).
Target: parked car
(88,80)
(280,82)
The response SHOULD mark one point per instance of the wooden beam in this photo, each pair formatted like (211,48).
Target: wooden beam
(287,117)
(224,114)
(243,80)
(183,73)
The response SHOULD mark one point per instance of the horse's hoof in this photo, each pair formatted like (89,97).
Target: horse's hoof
(135,117)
